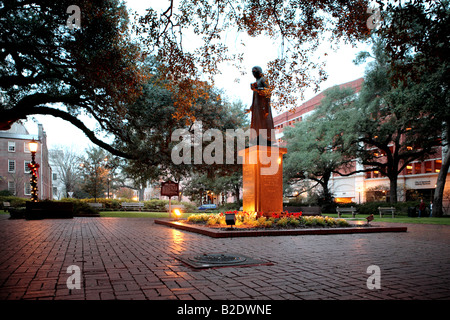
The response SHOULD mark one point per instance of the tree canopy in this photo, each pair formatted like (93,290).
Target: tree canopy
(47,68)
(317,147)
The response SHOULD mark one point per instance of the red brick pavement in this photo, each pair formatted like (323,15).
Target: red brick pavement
(133,258)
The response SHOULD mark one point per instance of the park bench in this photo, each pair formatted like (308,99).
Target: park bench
(14,213)
(95,205)
(351,210)
(306,211)
(383,210)
(132,206)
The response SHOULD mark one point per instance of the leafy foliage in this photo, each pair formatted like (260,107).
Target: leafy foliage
(93,69)
(298,27)
(317,147)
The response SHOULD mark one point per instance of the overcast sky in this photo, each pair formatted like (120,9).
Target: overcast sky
(340,69)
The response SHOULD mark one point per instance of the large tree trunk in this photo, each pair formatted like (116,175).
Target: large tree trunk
(440,185)
(237,192)
(326,190)
(393,189)
(141,193)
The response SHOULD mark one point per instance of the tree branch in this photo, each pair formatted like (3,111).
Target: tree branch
(68,117)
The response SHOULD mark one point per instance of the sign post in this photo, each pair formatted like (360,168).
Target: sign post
(169,189)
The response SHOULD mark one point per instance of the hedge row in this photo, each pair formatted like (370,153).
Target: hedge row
(108,204)
(160,205)
(368,208)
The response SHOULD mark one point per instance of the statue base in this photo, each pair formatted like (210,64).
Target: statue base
(262,171)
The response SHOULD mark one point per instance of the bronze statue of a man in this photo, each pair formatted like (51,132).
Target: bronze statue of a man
(262,121)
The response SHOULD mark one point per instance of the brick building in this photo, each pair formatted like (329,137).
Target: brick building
(418,179)
(15,157)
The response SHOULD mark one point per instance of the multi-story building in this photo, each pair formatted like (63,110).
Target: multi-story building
(15,157)
(418,179)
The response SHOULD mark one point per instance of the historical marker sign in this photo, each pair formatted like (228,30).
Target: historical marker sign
(169,189)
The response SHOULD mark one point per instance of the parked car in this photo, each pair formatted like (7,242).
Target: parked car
(207,206)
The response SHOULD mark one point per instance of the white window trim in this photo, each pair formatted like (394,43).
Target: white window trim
(25,166)
(13,189)
(13,161)
(12,144)
(27,187)
(26,148)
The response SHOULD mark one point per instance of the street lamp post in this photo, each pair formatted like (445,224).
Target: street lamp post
(33,145)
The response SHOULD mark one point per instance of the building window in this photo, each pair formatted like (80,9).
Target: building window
(55,176)
(12,187)
(11,146)
(26,169)
(27,189)
(55,190)
(26,147)
(417,168)
(428,167)
(11,166)
(408,169)
(437,166)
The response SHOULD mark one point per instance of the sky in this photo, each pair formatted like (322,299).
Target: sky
(340,69)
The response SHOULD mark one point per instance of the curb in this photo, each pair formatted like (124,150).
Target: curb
(216,233)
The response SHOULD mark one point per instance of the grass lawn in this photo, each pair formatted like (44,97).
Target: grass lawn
(139,214)
(184,215)
(399,219)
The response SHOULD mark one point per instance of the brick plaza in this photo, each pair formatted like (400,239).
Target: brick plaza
(133,258)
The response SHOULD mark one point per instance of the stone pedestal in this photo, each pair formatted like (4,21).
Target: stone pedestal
(262,171)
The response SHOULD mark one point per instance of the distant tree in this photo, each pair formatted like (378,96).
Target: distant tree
(94,172)
(66,163)
(416,34)
(393,129)
(150,134)
(317,147)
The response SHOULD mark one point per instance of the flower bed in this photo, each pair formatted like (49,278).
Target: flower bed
(275,221)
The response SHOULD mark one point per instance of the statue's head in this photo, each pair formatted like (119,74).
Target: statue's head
(257,72)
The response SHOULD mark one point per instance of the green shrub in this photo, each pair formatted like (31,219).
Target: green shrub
(5,193)
(342,223)
(401,208)
(198,218)
(229,207)
(80,206)
(369,208)
(160,205)
(294,222)
(13,201)
(282,222)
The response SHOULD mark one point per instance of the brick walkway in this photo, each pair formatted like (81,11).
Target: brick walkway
(133,258)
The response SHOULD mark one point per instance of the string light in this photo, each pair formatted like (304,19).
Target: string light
(33,166)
